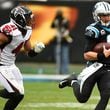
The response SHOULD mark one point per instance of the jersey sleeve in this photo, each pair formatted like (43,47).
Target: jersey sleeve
(6,29)
(9,29)
(91,36)
(89,44)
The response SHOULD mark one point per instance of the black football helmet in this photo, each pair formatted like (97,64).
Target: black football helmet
(22,16)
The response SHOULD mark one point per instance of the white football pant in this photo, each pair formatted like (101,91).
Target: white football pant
(10,77)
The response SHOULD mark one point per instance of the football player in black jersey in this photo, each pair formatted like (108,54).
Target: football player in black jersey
(98,64)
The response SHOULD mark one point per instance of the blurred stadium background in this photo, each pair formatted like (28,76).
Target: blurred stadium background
(40,78)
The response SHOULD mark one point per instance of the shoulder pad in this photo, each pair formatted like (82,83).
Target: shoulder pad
(9,29)
(92,31)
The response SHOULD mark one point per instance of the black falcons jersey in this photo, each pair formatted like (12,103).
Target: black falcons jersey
(96,33)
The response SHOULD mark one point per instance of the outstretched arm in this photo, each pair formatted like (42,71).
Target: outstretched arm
(38,47)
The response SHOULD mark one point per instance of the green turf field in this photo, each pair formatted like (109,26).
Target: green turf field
(46,68)
(47,96)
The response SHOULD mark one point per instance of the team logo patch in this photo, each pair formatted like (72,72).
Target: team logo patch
(18,11)
(102,32)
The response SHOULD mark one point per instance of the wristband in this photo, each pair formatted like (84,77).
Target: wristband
(101,56)
(32,53)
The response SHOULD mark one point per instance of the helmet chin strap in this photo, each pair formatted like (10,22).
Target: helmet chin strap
(105,24)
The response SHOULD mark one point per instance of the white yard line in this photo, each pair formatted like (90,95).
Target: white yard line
(62,105)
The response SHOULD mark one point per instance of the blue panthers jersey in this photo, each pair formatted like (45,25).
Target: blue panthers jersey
(96,33)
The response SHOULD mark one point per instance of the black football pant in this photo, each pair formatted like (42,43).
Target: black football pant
(102,79)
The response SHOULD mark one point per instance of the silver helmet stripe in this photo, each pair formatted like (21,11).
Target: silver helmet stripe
(106,6)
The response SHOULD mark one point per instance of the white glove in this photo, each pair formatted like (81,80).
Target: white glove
(39,47)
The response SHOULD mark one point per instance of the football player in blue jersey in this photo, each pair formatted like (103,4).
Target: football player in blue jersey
(98,64)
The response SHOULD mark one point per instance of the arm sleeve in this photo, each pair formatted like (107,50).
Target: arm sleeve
(91,36)
(6,29)
(89,44)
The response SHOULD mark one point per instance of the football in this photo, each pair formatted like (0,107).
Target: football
(99,47)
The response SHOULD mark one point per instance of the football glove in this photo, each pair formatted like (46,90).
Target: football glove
(38,47)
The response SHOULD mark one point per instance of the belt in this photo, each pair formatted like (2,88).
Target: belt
(1,64)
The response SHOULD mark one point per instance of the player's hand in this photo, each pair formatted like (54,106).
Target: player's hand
(106,52)
(68,39)
(38,47)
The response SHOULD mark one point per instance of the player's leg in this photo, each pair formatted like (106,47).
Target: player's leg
(57,56)
(85,74)
(65,59)
(104,88)
(67,81)
(14,88)
(14,99)
(83,94)
(102,104)
(83,85)
(4,93)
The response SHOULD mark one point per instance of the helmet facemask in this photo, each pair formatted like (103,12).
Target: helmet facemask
(105,19)
(30,21)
